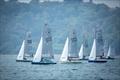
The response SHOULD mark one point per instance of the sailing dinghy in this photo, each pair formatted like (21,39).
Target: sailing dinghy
(44,54)
(81,53)
(25,53)
(109,54)
(93,57)
(65,54)
(21,56)
(70,53)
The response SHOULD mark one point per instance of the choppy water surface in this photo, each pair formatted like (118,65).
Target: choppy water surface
(12,70)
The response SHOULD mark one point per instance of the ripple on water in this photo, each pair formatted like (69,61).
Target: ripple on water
(85,71)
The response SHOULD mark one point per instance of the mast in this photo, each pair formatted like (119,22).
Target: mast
(47,42)
(85,44)
(99,41)
(73,53)
(28,44)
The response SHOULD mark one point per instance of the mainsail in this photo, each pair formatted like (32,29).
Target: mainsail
(47,43)
(93,51)
(64,55)
(37,57)
(28,45)
(21,52)
(81,52)
(73,53)
(99,41)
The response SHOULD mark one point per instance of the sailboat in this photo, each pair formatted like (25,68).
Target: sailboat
(37,56)
(93,57)
(109,53)
(44,54)
(70,54)
(81,53)
(24,53)
(21,56)
(64,57)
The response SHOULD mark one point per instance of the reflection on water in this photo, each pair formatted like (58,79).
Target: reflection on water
(12,70)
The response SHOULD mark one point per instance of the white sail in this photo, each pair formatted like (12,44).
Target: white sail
(64,55)
(37,57)
(81,52)
(21,52)
(93,51)
(109,52)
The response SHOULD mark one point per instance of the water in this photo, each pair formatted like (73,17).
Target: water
(12,70)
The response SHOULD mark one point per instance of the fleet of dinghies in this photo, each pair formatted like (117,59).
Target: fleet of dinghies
(44,53)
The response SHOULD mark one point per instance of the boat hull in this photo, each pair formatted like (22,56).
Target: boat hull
(23,60)
(98,61)
(71,62)
(110,58)
(83,59)
(43,63)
